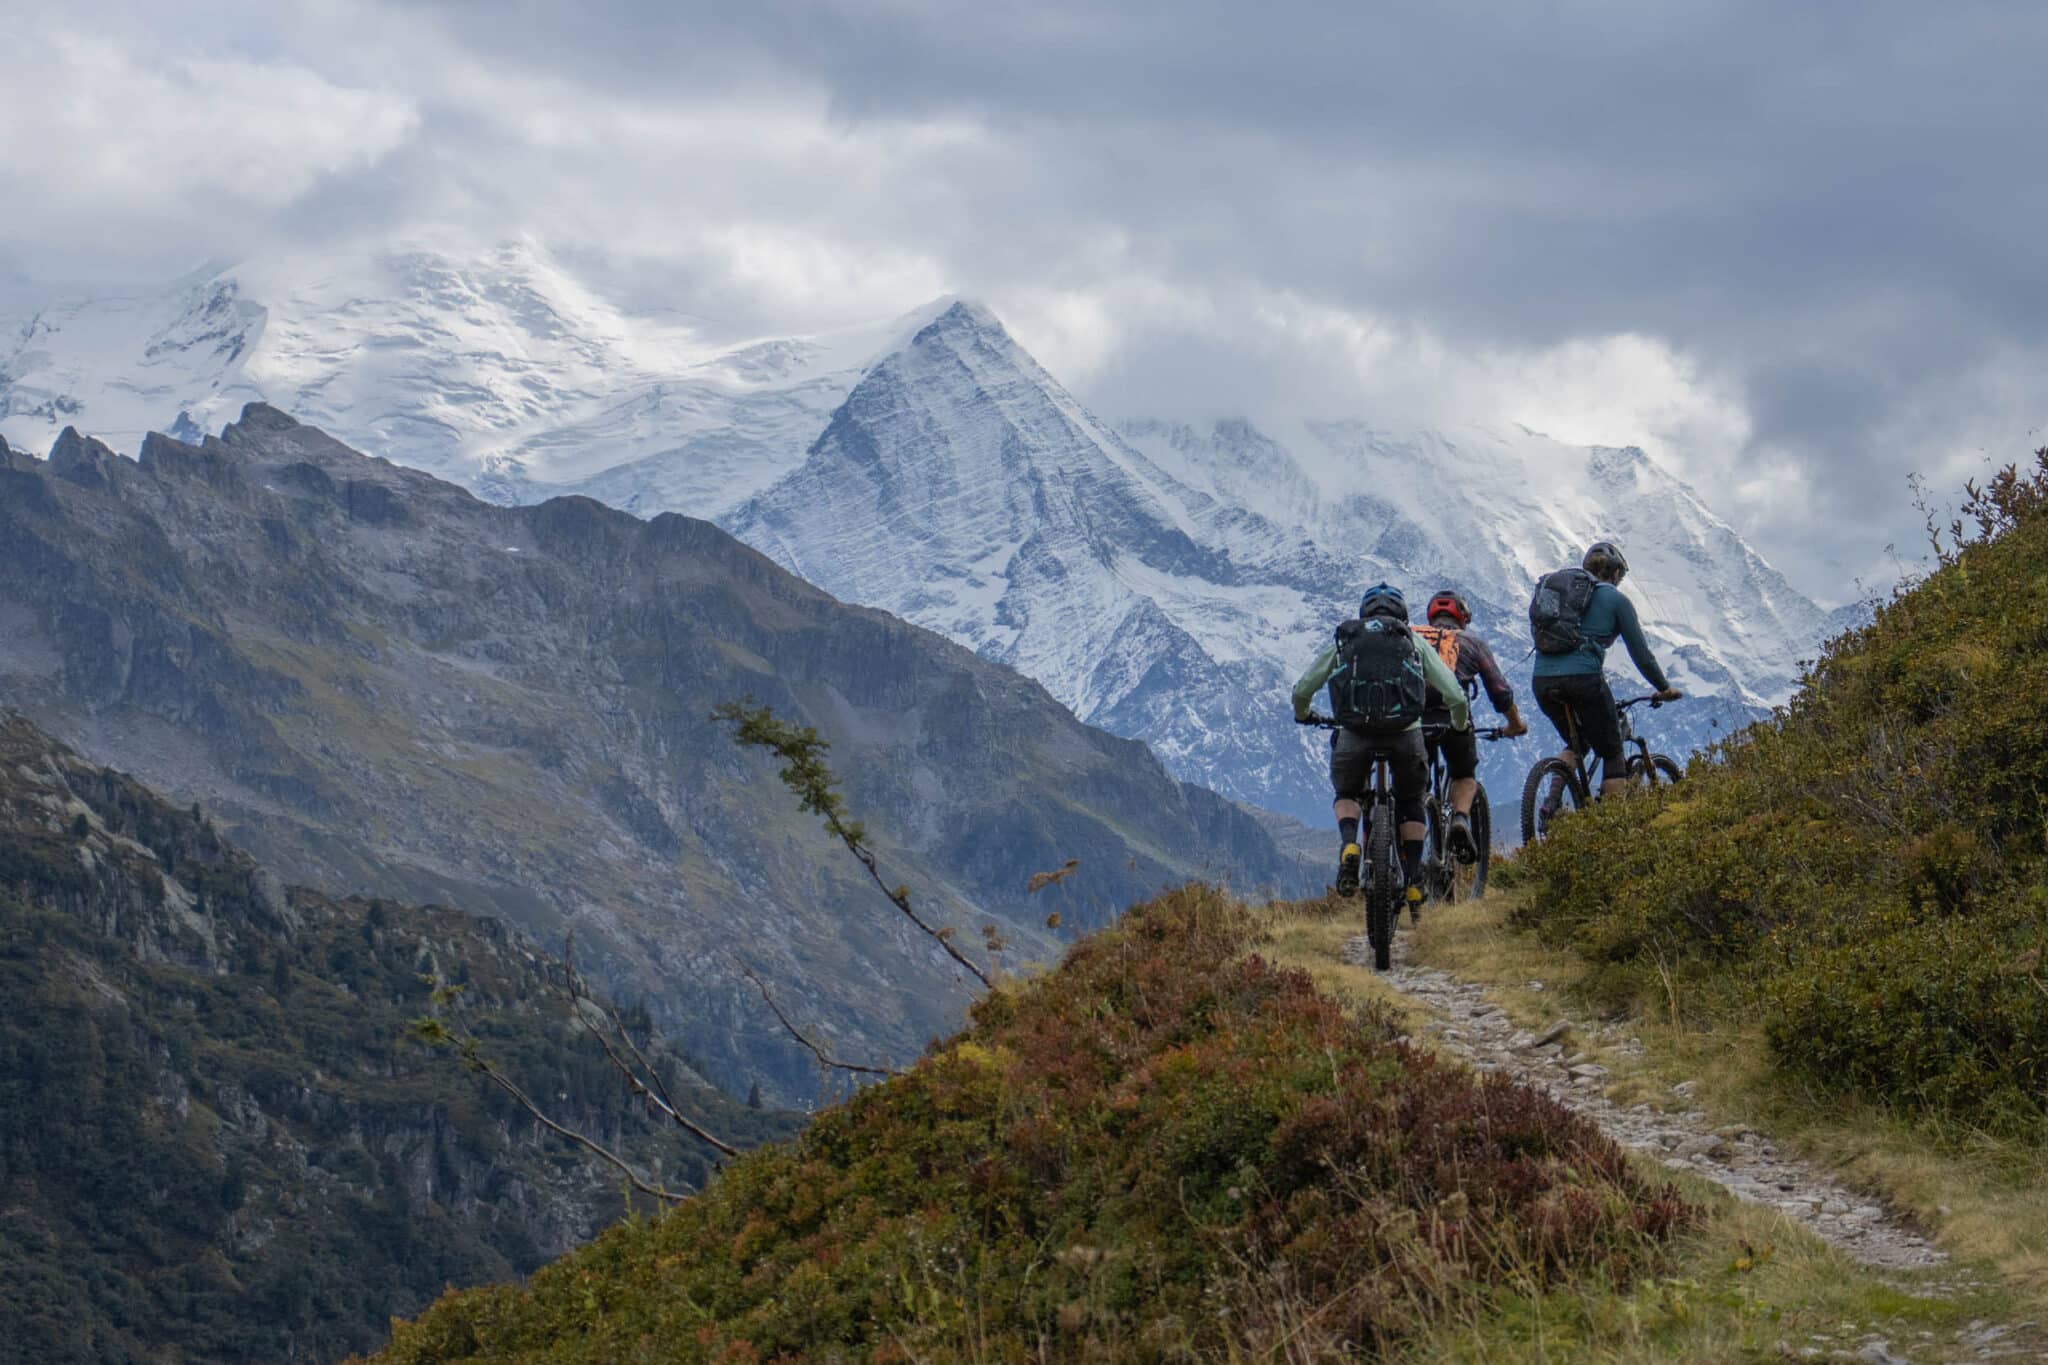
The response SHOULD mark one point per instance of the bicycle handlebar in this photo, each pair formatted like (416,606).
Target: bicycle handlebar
(1638,701)
(1324,722)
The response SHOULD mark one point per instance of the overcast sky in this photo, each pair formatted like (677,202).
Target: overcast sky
(1793,250)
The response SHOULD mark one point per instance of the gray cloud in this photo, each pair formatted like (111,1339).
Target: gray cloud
(1793,248)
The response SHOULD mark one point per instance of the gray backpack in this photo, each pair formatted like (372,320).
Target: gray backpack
(1379,687)
(1558,609)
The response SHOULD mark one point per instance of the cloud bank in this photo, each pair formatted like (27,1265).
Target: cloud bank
(1791,250)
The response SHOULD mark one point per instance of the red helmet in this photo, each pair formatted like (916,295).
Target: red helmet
(1448,601)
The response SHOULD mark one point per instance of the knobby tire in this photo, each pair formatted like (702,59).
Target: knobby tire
(1574,796)
(1382,877)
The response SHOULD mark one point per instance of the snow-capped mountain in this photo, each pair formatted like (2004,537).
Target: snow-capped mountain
(1169,582)
(1165,580)
(497,370)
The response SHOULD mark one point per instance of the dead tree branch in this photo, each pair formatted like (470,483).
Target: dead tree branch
(646,1082)
(817,791)
(498,1078)
(823,1058)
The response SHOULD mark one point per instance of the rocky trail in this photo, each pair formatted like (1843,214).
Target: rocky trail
(1741,1160)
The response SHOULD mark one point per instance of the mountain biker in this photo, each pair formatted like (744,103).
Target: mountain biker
(1571,686)
(1352,751)
(1449,634)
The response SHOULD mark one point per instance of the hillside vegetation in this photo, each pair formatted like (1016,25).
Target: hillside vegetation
(1166,1148)
(1868,869)
(216,1141)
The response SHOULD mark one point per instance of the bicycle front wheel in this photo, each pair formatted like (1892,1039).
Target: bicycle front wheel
(1382,885)
(1552,788)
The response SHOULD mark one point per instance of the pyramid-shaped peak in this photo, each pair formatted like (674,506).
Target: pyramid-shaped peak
(954,313)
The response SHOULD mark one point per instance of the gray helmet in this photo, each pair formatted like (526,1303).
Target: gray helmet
(1604,560)
(1384,599)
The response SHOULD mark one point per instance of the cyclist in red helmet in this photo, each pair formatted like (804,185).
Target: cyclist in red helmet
(1471,660)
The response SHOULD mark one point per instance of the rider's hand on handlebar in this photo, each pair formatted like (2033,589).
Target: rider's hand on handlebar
(1515,727)
(1668,694)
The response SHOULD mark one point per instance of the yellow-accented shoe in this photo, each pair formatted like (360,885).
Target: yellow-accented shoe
(1347,870)
(1414,898)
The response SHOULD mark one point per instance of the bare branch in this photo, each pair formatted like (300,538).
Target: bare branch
(798,1034)
(805,773)
(490,1070)
(657,1097)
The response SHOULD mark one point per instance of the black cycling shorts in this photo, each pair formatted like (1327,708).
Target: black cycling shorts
(1460,749)
(1351,759)
(1582,709)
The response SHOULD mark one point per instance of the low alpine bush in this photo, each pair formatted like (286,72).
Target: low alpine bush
(1166,1148)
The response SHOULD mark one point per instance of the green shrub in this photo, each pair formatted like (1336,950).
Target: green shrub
(1949,1012)
(1165,1148)
(1865,863)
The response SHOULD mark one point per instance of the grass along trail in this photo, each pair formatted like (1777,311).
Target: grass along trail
(1736,1157)
(1799,1259)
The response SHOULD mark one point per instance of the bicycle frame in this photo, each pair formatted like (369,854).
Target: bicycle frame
(1437,808)
(1380,879)
(1589,764)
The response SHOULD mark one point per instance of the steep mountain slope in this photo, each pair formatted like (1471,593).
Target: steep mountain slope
(378,682)
(1163,579)
(216,1141)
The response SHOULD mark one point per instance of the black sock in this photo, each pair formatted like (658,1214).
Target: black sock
(1411,861)
(1347,830)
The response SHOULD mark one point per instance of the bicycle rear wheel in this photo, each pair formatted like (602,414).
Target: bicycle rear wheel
(1468,880)
(1382,885)
(1662,768)
(1552,788)
(1438,866)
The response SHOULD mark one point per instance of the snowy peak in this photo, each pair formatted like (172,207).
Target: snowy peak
(960,485)
(495,368)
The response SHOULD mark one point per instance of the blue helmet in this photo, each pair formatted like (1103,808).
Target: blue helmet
(1383,599)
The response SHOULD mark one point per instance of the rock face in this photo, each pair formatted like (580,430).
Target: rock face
(378,683)
(217,1142)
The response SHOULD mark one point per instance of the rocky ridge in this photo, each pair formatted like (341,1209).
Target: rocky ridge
(1163,575)
(379,683)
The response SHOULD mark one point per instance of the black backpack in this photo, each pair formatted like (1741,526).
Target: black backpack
(1379,687)
(1558,608)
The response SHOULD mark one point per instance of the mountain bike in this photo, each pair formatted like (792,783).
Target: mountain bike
(1554,784)
(1379,880)
(1445,877)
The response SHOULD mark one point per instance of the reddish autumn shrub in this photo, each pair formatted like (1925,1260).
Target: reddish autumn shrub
(1167,1147)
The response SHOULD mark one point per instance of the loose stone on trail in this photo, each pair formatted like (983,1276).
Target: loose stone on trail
(1473,1028)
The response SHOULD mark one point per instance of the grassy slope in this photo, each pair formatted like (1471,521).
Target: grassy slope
(1743,1279)
(1163,1149)
(1866,875)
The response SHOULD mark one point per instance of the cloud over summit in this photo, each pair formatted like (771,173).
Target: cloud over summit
(1790,249)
